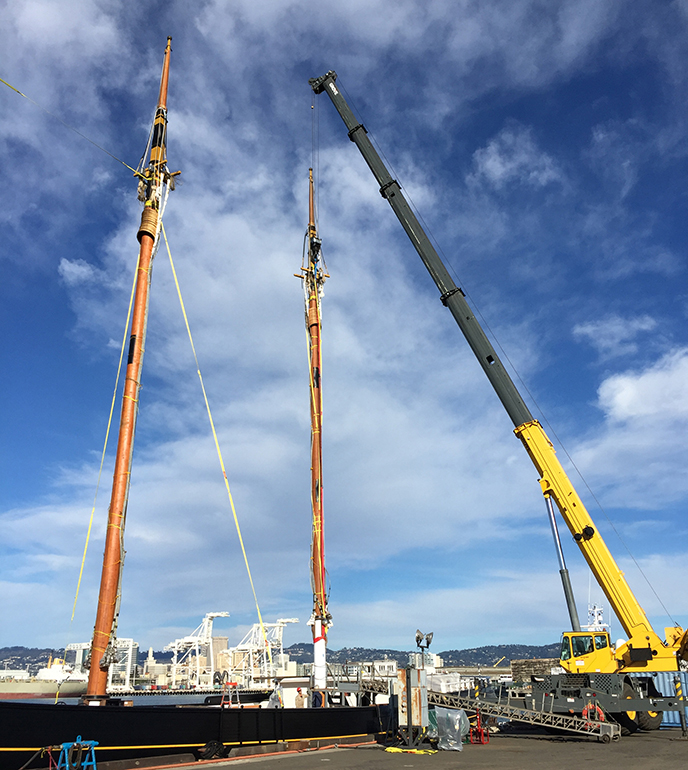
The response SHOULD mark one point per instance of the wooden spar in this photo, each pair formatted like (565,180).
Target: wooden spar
(108,599)
(314,278)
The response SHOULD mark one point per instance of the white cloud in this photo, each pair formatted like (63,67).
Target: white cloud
(638,456)
(513,157)
(76,271)
(615,156)
(659,393)
(614,336)
(80,23)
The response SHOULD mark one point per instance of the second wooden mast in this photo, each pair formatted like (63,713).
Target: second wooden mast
(314,276)
(152,187)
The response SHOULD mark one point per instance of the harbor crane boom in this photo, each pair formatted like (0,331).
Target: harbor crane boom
(644,650)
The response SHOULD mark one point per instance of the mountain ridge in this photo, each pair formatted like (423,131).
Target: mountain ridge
(33,658)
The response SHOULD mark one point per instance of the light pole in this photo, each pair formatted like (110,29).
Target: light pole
(423,642)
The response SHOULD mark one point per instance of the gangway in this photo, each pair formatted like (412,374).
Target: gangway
(603,731)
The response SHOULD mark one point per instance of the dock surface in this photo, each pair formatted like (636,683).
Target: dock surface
(660,749)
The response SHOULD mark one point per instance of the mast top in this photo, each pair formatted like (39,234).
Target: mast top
(158,141)
(162,98)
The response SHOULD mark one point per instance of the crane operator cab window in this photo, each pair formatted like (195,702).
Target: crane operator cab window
(601,641)
(565,648)
(582,645)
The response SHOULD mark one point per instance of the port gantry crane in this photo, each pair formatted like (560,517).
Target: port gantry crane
(581,653)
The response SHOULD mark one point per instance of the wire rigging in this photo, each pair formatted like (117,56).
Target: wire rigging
(217,445)
(107,435)
(315,155)
(102,457)
(70,127)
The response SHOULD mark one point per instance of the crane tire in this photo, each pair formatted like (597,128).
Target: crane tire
(649,720)
(627,719)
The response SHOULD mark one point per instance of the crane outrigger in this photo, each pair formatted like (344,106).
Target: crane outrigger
(581,653)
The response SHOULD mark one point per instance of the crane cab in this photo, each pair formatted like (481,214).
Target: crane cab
(583,652)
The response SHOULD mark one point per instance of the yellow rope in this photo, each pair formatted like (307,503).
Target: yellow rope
(71,128)
(107,436)
(217,445)
(102,456)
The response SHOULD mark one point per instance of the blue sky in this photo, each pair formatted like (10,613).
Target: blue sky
(544,144)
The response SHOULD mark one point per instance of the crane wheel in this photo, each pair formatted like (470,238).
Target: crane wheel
(627,719)
(649,720)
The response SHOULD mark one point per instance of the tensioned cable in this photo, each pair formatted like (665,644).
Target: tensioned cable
(102,456)
(107,434)
(452,270)
(549,425)
(146,152)
(315,153)
(217,444)
(71,128)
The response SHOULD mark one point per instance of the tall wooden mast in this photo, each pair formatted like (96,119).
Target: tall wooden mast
(151,189)
(314,279)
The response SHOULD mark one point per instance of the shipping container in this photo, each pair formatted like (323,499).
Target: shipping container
(664,682)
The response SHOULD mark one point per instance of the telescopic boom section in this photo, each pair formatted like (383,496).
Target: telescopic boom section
(104,638)
(313,277)
(553,479)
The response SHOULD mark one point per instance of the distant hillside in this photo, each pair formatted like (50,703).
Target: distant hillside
(303,653)
(32,658)
(476,656)
(35,658)
(489,655)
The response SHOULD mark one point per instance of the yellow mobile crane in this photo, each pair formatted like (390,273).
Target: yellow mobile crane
(582,653)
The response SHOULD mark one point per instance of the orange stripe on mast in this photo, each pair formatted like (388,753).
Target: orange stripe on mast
(108,599)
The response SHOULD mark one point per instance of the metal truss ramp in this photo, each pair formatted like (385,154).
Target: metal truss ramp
(603,731)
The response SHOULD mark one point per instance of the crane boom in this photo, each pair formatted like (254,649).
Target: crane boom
(643,645)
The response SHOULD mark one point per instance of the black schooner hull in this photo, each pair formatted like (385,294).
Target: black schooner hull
(145,731)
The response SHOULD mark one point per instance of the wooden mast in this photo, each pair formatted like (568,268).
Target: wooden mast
(150,189)
(314,278)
